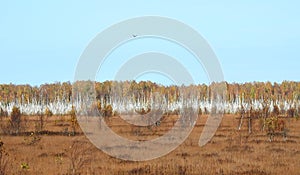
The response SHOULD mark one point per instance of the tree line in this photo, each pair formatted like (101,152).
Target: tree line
(109,92)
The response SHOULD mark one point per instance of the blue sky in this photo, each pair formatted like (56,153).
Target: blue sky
(255,41)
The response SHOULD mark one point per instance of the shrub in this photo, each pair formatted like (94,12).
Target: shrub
(3,125)
(95,109)
(98,106)
(15,120)
(24,166)
(206,111)
(3,159)
(199,111)
(3,113)
(31,139)
(291,112)
(276,110)
(41,122)
(143,111)
(80,155)
(214,110)
(73,120)
(48,112)
(108,111)
(116,113)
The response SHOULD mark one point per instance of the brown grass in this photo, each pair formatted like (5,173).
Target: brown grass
(229,152)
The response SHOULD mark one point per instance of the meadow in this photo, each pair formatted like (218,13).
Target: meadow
(57,150)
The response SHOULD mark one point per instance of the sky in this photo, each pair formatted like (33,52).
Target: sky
(41,42)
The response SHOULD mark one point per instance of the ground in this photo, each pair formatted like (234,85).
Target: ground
(229,152)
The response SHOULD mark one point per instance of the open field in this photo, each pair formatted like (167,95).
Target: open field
(229,152)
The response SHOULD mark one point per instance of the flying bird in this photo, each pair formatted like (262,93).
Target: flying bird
(134,36)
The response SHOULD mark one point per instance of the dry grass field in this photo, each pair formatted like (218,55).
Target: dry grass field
(57,151)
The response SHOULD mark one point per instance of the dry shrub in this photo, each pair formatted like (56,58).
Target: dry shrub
(3,113)
(96,109)
(108,111)
(200,111)
(15,119)
(73,120)
(276,110)
(32,139)
(3,117)
(48,112)
(291,112)
(16,123)
(80,155)
(41,122)
(143,111)
(3,159)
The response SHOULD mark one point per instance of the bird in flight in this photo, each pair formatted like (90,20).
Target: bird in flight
(134,36)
